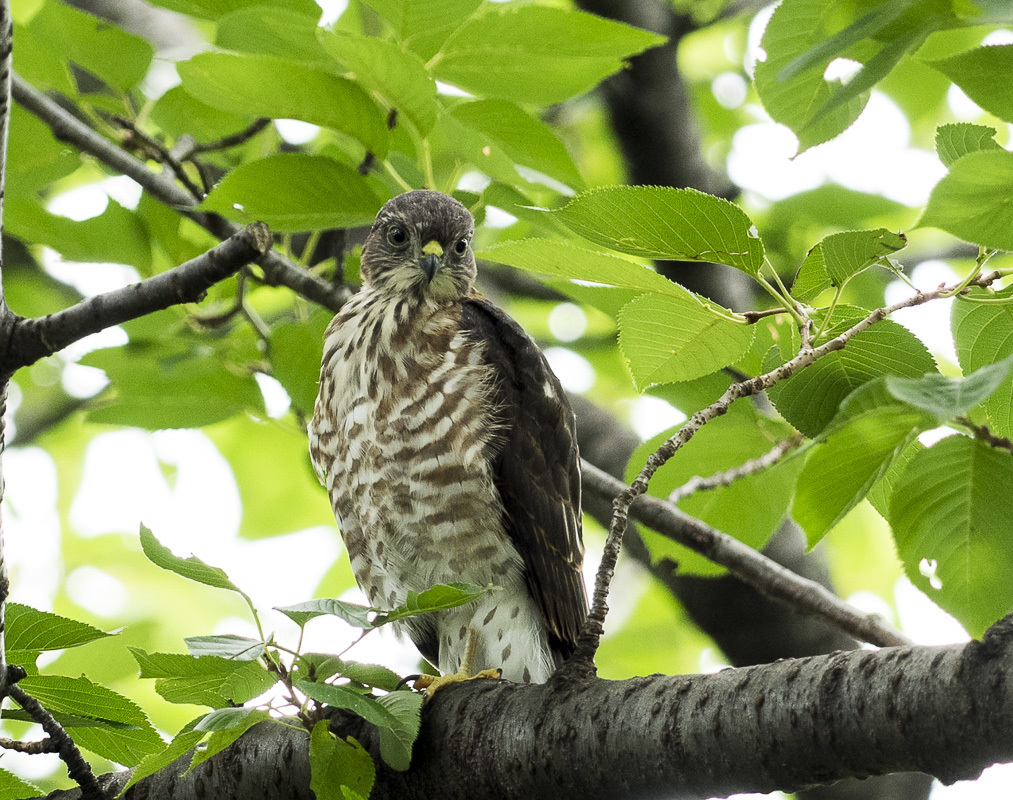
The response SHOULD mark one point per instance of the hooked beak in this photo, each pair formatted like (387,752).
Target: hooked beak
(432,252)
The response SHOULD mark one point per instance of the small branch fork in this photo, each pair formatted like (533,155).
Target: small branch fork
(749,567)
(278,270)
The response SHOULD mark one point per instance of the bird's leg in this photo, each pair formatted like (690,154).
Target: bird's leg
(432,683)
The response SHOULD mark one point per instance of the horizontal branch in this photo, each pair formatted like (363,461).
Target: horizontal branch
(765,575)
(782,726)
(35,338)
(278,270)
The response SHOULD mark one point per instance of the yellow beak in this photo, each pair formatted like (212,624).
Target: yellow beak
(433,248)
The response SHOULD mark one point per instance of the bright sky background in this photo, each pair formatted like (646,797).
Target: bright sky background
(124,484)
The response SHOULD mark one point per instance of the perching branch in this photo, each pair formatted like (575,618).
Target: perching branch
(765,575)
(590,635)
(32,339)
(278,270)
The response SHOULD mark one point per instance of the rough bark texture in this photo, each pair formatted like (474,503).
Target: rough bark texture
(786,726)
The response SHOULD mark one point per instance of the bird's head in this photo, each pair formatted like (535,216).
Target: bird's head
(420,246)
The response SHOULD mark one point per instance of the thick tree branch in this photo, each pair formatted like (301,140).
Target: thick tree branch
(32,339)
(782,726)
(66,127)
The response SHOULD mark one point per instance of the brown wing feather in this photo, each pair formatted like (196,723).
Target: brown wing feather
(536,470)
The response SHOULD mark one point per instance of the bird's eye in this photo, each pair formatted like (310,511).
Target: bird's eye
(397,236)
(461,246)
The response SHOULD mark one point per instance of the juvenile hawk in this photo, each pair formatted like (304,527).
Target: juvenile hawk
(448,450)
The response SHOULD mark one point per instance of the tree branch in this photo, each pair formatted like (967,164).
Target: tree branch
(782,726)
(32,339)
(765,575)
(278,270)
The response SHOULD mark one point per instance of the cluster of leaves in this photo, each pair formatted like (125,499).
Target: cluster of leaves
(226,672)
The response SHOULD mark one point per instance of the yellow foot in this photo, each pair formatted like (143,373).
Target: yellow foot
(433,683)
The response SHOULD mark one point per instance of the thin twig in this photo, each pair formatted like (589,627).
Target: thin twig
(161,153)
(982,432)
(233,139)
(32,339)
(594,624)
(764,574)
(278,270)
(729,476)
(77,768)
(32,748)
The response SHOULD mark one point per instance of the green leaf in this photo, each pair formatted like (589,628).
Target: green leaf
(975,71)
(795,27)
(974,201)
(564,260)
(82,697)
(526,140)
(214,9)
(237,648)
(208,680)
(536,54)
(337,765)
(666,339)
(983,335)
(268,86)
(296,352)
(319,667)
(424,25)
(396,737)
(116,235)
(881,494)
(119,58)
(180,746)
(399,77)
(170,386)
(844,467)
(848,253)
(355,615)
(226,726)
(396,740)
(12,786)
(191,568)
(126,746)
(177,112)
(436,598)
(750,509)
(664,223)
(286,32)
(947,398)
(810,398)
(957,139)
(31,629)
(952,508)
(295,192)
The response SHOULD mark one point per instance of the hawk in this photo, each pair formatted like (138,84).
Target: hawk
(448,451)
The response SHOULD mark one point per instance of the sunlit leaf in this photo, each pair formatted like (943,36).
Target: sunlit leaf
(975,72)
(983,335)
(337,765)
(957,139)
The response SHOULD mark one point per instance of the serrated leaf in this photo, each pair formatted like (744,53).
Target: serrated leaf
(269,86)
(666,339)
(795,27)
(974,201)
(536,54)
(236,648)
(30,629)
(338,764)
(399,77)
(126,746)
(355,615)
(191,568)
(983,335)
(294,192)
(13,786)
(395,744)
(82,697)
(848,253)
(975,71)
(842,470)
(664,223)
(179,746)
(436,598)
(523,138)
(810,398)
(951,509)
(558,259)
(957,139)
(881,494)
